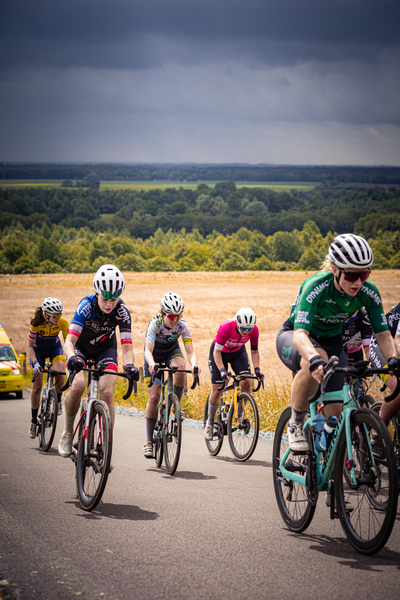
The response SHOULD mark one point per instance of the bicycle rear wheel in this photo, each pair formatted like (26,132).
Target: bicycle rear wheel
(92,469)
(374,498)
(158,438)
(48,420)
(393,428)
(214,445)
(293,500)
(243,434)
(173,434)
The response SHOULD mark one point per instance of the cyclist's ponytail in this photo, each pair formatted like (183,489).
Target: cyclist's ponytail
(38,319)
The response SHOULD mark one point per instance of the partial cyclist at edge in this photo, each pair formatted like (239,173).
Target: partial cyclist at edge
(388,409)
(229,348)
(44,343)
(357,333)
(92,335)
(313,332)
(162,348)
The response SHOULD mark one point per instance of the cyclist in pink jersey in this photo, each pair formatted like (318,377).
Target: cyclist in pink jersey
(229,347)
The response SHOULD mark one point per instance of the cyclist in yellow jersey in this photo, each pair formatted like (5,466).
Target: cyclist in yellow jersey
(44,343)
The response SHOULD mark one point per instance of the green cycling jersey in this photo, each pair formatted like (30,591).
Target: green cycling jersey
(321,309)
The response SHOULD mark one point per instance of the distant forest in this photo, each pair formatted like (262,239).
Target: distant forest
(221,227)
(189,172)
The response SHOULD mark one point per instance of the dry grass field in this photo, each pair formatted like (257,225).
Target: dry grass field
(209,299)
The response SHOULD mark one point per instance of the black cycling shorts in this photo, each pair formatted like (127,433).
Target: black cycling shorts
(291,357)
(100,355)
(238,360)
(163,358)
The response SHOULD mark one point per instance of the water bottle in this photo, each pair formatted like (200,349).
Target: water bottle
(328,432)
(318,423)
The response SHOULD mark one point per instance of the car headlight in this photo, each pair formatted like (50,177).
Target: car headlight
(17,371)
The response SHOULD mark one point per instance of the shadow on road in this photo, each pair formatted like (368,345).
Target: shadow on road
(122,512)
(340,548)
(250,462)
(183,475)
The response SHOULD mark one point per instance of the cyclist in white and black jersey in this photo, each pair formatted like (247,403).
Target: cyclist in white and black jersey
(356,334)
(388,409)
(162,347)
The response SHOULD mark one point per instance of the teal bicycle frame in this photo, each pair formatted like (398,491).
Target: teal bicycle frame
(324,467)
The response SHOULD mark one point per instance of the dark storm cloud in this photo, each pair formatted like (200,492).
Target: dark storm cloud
(124,34)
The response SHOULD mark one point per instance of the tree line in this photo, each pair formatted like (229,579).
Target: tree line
(195,172)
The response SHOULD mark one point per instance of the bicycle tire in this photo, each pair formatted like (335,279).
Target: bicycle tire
(293,501)
(374,498)
(214,445)
(393,428)
(48,420)
(366,401)
(172,434)
(243,436)
(92,470)
(158,437)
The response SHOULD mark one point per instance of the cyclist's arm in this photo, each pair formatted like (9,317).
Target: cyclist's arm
(255,358)
(301,339)
(386,344)
(148,356)
(127,354)
(31,352)
(218,358)
(191,356)
(69,346)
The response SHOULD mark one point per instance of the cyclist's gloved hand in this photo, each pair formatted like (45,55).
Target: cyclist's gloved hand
(75,364)
(132,371)
(316,362)
(224,374)
(393,365)
(36,368)
(259,375)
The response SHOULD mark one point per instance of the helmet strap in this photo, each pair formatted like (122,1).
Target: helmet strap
(337,277)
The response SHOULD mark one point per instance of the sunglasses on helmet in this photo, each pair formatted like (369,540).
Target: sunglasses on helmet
(354,276)
(110,295)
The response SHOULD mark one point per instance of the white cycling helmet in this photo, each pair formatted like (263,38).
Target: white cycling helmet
(52,306)
(172,304)
(246,318)
(109,282)
(349,251)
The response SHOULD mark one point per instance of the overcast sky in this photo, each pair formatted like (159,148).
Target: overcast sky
(220,81)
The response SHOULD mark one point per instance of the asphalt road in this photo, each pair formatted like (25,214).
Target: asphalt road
(212,531)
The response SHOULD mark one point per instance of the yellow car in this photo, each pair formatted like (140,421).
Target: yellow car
(11,378)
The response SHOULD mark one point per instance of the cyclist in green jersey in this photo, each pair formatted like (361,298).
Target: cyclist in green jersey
(313,332)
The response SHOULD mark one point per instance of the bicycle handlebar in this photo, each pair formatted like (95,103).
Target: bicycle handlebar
(52,371)
(359,370)
(238,378)
(99,371)
(158,369)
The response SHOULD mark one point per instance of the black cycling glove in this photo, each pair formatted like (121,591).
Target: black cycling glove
(75,364)
(224,374)
(316,361)
(393,365)
(260,375)
(132,371)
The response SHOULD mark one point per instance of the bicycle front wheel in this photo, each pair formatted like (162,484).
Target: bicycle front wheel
(294,502)
(173,434)
(243,431)
(158,437)
(92,469)
(214,445)
(48,420)
(367,509)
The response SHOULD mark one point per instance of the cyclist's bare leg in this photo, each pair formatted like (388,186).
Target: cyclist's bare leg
(179,378)
(154,394)
(390,409)
(245,385)
(106,392)
(73,398)
(60,379)
(36,390)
